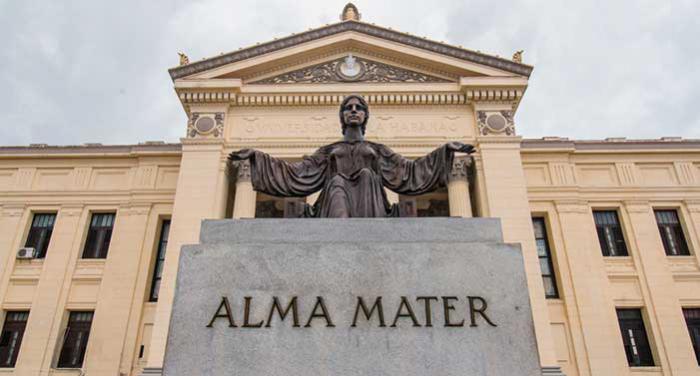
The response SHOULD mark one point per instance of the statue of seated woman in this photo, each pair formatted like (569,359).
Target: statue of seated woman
(351,174)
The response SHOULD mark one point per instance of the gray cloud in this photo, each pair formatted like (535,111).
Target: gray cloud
(87,71)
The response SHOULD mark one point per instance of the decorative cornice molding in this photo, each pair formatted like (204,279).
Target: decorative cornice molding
(360,27)
(367,71)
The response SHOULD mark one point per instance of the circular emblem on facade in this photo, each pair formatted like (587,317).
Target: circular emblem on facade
(350,69)
(204,125)
(496,122)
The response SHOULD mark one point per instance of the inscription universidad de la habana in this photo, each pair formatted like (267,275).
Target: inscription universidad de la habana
(434,311)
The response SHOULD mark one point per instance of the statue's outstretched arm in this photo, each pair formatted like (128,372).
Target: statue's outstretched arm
(281,178)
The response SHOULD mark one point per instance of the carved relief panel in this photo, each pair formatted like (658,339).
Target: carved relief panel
(206,125)
(495,123)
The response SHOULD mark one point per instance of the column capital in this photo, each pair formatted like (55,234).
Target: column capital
(12,210)
(242,170)
(637,206)
(693,205)
(571,206)
(460,168)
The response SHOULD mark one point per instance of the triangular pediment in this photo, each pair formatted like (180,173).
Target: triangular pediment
(350,69)
(342,38)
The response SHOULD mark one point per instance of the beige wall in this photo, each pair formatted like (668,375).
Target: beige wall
(566,182)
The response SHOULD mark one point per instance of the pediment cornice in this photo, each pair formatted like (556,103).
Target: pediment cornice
(359,27)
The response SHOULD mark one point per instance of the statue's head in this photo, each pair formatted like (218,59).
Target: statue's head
(354,112)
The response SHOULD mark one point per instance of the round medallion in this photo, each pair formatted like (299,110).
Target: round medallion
(204,125)
(350,69)
(496,122)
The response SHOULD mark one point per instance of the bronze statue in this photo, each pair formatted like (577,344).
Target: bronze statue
(351,173)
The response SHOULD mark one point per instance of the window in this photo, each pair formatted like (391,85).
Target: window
(75,340)
(634,337)
(99,235)
(612,243)
(671,233)
(160,260)
(692,319)
(11,339)
(40,233)
(548,278)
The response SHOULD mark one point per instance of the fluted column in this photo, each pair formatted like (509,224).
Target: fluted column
(458,188)
(244,200)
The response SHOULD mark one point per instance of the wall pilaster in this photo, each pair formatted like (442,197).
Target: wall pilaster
(505,192)
(244,200)
(458,188)
(596,311)
(200,184)
(670,336)
(117,290)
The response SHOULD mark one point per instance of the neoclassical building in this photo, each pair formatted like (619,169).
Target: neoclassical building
(90,235)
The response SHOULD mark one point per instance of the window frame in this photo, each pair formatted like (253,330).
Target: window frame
(684,245)
(694,339)
(80,327)
(601,236)
(160,250)
(19,326)
(99,253)
(40,251)
(651,360)
(549,256)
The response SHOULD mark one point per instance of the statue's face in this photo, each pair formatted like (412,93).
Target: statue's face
(354,113)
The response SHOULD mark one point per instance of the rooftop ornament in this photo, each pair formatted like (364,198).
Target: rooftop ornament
(350,13)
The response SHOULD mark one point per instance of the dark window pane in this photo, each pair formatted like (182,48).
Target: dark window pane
(692,319)
(11,337)
(99,235)
(612,243)
(671,233)
(548,278)
(160,260)
(75,340)
(40,233)
(634,338)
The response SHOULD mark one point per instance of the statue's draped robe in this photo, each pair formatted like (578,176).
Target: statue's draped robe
(352,177)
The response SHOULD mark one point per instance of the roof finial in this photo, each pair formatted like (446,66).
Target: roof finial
(350,13)
(184,60)
(518,56)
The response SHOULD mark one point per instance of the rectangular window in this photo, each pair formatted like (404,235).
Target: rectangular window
(40,233)
(634,337)
(543,251)
(75,340)
(671,233)
(11,339)
(160,260)
(99,235)
(692,319)
(612,243)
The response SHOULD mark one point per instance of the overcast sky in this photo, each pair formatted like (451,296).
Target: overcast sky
(96,71)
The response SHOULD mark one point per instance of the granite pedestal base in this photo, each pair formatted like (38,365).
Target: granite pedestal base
(406,296)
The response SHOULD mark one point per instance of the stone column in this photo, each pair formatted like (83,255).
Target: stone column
(596,310)
(667,328)
(196,198)
(244,199)
(506,195)
(458,188)
(43,330)
(117,290)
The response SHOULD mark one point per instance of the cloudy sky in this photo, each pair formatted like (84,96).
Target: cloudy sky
(96,71)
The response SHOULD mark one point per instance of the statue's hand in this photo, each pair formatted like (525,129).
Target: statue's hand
(456,146)
(240,155)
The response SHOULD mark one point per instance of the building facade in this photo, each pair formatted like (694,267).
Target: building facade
(90,235)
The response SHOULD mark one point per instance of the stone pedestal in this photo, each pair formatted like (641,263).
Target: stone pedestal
(407,296)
